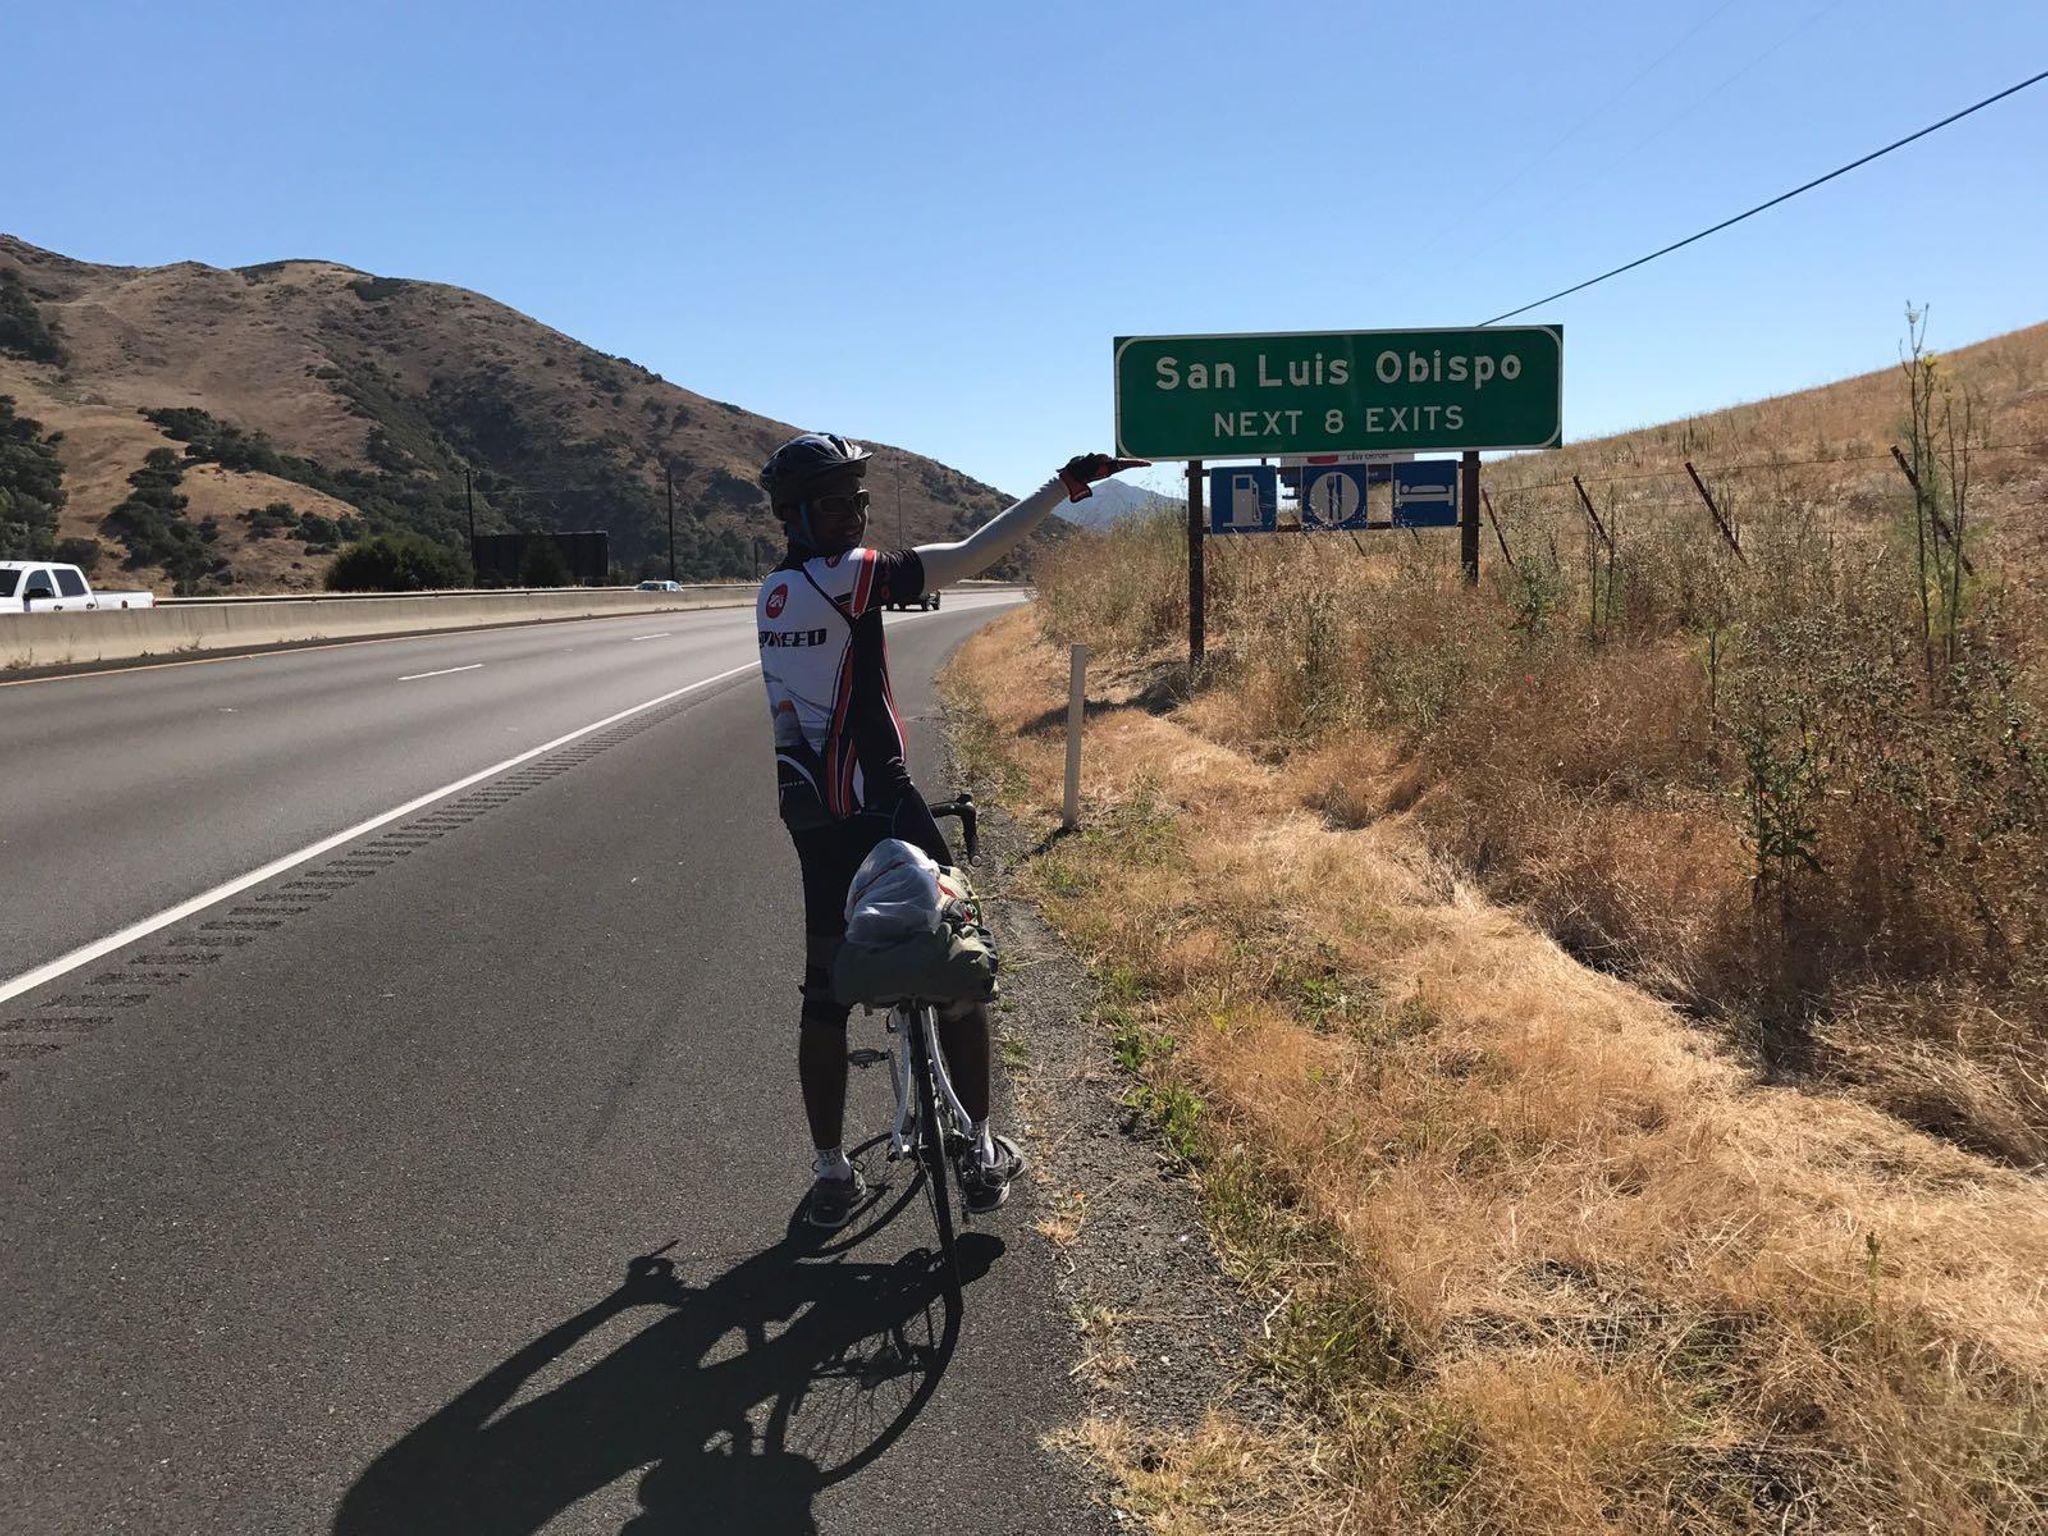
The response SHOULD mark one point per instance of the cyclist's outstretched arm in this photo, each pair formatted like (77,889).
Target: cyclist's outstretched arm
(945,564)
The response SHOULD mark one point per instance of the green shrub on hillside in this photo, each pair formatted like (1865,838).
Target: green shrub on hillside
(272,518)
(23,332)
(83,553)
(374,290)
(151,523)
(401,562)
(31,485)
(391,502)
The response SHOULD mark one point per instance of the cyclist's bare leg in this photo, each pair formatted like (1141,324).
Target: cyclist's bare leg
(963,1031)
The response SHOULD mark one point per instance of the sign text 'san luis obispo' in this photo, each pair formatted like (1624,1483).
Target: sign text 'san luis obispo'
(1204,397)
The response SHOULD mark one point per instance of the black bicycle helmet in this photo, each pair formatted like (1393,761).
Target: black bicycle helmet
(818,463)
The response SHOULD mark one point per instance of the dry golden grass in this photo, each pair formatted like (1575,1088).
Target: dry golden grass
(1540,1255)
(1802,793)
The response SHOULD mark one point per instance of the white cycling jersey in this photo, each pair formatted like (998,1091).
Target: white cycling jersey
(824,660)
(827,667)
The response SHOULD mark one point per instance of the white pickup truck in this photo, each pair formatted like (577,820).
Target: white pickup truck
(28,586)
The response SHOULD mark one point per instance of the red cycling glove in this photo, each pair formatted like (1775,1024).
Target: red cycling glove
(1082,468)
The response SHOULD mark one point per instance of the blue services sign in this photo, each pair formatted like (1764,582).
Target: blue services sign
(1244,499)
(1333,495)
(1426,494)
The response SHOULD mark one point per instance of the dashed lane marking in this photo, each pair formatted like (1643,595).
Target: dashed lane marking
(234,930)
(474,666)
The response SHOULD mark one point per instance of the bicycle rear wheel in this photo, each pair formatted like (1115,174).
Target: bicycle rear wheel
(931,1147)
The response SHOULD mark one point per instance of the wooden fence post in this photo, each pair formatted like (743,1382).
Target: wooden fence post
(1498,537)
(1720,522)
(1592,516)
(1934,516)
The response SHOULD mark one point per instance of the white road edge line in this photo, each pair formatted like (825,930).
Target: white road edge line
(63,965)
(444,672)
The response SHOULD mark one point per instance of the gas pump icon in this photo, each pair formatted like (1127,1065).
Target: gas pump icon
(1243,499)
(1247,508)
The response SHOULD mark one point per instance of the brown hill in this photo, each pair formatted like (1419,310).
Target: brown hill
(360,401)
(1827,447)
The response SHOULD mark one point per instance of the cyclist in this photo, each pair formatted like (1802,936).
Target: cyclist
(842,780)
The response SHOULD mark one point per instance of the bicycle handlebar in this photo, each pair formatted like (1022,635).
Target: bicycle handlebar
(962,807)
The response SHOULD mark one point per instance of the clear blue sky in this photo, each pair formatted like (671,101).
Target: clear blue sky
(924,222)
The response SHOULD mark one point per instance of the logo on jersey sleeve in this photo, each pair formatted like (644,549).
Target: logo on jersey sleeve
(778,600)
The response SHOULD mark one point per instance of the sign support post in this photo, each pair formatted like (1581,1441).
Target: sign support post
(1468,517)
(1196,518)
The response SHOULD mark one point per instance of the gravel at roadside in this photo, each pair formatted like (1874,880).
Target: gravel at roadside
(1163,1334)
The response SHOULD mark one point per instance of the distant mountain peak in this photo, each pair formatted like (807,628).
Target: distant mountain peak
(1114,501)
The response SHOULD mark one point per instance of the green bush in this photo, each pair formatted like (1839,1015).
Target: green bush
(22,330)
(31,485)
(266,520)
(83,553)
(151,522)
(374,290)
(402,562)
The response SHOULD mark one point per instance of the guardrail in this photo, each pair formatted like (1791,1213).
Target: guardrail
(190,625)
(441,593)
(744,587)
(216,624)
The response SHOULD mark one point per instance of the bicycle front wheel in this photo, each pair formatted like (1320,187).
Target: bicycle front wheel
(931,1145)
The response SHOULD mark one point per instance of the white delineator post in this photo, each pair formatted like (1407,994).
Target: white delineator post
(1076,688)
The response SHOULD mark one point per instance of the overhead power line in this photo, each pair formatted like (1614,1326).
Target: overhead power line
(1489,199)
(1954,117)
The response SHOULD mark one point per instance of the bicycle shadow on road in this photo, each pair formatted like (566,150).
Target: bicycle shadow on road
(834,1361)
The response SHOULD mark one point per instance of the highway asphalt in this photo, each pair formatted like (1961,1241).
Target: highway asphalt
(445,1181)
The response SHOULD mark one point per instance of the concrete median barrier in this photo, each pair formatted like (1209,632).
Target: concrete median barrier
(35,640)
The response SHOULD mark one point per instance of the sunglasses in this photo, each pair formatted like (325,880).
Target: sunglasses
(842,504)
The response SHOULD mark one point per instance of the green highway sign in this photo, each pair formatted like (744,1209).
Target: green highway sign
(1236,397)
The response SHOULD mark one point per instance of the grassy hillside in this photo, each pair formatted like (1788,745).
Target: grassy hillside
(319,397)
(1606,1010)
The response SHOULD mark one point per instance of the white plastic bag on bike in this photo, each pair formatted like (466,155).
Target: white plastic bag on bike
(895,893)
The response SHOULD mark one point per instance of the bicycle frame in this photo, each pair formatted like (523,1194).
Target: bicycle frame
(903,1136)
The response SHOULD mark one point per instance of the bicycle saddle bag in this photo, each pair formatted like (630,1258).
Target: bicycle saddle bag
(955,961)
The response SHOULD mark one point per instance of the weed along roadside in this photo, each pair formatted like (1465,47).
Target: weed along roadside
(1537,1246)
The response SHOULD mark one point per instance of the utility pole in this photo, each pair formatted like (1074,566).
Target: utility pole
(469,504)
(668,480)
(899,506)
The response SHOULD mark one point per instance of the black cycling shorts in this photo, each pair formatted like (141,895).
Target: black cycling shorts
(832,855)
(829,858)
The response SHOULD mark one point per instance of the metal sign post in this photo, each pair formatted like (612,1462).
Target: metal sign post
(1468,519)
(1195,636)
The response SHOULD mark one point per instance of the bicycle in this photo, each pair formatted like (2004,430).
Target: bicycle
(931,1126)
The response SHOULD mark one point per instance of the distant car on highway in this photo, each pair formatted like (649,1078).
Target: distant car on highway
(28,586)
(659,586)
(923,604)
